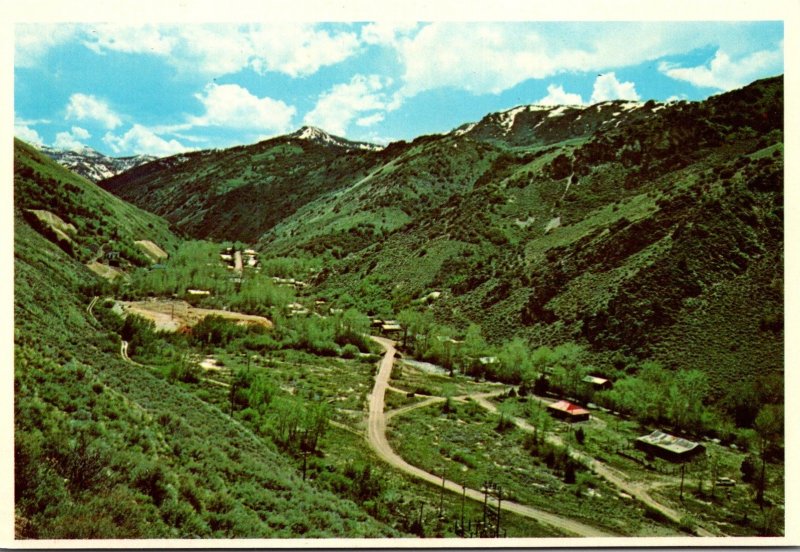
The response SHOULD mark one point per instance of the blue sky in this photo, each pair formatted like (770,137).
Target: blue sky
(161,89)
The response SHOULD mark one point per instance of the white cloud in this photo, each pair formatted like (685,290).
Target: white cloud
(488,57)
(370,120)
(142,140)
(32,41)
(298,51)
(557,96)
(337,107)
(87,107)
(607,87)
(72,140)
(724,73)
(387,33)
(26,133)
(290,48)
(136,39)
(230,105)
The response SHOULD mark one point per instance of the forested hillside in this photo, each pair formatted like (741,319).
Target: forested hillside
(104,449)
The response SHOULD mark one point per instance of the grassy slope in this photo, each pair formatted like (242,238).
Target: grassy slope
(104,449)
(674,255)
(630,236)
(238,193)
(99,217)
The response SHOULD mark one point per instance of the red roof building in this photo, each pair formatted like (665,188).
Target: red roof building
(565,410)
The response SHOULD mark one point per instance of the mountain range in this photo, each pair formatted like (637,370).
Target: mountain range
(640,229)
(635,232)
(92,164)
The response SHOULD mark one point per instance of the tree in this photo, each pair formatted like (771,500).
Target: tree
(769,429)
(351,327)
(515,361)
(687,395)
(419,327)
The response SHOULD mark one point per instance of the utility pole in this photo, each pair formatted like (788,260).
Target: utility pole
(485,490)
(683,471)
(499,499)
(463,499)
(441,494)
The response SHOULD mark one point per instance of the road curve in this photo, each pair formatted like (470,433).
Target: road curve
(606,472)
(376,435)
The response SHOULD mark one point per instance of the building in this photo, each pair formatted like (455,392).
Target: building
(565,410)
(198,292)
(391,327)
(669,447)
(597,383)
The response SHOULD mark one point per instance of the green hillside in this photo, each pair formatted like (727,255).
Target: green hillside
(104,449)
(237,193)
(639,231)
(640,242)
(659,239)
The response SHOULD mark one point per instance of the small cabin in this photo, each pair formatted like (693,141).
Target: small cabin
(669,447)
(565,410)
(597,383)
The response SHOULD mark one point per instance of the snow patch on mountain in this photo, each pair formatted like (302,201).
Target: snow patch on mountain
(464,129)
(507,117)
(558,112)
(627,106)
(319,136)
(93,165)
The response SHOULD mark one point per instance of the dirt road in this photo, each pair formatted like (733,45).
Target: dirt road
(613,476)
(376,435)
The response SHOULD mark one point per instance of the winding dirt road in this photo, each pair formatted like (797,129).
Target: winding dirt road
(613,476)
(376,435)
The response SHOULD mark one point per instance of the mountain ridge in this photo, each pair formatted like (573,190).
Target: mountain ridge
(504,216)
(93,165)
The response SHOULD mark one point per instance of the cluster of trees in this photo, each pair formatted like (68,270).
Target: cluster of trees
(659,396)
(196,265)
(295,424)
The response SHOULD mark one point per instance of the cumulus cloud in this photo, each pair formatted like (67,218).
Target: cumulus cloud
(298,51)
(87,107)
(337,107)
(142,140)
(26,133)
(32,41)
(71,140)
(232,106)
(489,57)
(131,39)
(370,120)
(295,49)
(386,33)
(607,87)
(557,96)
(723,73)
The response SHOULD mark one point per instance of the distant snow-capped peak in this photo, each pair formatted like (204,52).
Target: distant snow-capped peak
(319,136)
(92,164)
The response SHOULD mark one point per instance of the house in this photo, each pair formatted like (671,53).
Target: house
(488,360)
(597,383)
(391,327)
(669,447)
(565,410)
(198,292)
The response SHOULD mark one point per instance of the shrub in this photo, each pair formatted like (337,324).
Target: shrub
(349,351)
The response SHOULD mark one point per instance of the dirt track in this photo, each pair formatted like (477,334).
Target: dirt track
(376,435)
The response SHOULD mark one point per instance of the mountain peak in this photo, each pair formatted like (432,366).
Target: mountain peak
(319,136)
(92,164)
